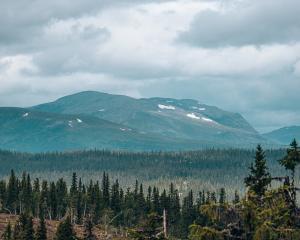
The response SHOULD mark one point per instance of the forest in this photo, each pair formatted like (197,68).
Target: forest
(267,210)
(209,169)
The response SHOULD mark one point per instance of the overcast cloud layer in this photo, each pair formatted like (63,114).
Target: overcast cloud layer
(240,55)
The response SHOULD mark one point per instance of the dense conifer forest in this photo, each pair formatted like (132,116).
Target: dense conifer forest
(265,211)
(210,169)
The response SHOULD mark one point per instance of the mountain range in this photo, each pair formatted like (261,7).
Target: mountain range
(90,119)
(284,135)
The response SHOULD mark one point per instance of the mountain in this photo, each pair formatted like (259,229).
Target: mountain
(184,119)
(284,135)
(90,120)
(35,131)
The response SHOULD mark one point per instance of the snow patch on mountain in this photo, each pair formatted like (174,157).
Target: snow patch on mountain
(199,108)
(79,120)
(168,107)
(25,114)
(193,116)
(125,129)
(207,119)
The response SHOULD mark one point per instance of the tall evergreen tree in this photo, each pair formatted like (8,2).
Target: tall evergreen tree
(28,231)
(105,190)
(292,159)
(41,233)
(188,214)
(52,200)
(259,177)
(236,199)
(12,192)
(65,230)
(222,197)
(61,197)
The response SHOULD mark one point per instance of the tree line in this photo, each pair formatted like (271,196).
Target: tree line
(99,203)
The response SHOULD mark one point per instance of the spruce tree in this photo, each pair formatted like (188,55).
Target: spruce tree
(236,199)
(12,192)
(155,201)
(148,200)
(52,200)
(213,197)
(188,214)
(61,197)
(65,230)
(292,159)
(115,203)
(41,233)
(290,162)
(222,197)
(173,214)
(105,190)
(28,231)
(259,177)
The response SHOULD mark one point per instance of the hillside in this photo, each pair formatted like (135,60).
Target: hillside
(183,119)
(284,135)
(34,131)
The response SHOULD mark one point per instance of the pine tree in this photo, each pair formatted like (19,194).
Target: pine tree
(213,197)
(36,196)
(65,230)
(148,200)
(259,177)
(28,231)
(44,199)
(115,203)
(173,214)
(7,235)
(52,200)
(12,192)
(79,203)
(73,189)
(292,159)
(61,198)
(290,162)
(236,199)
(105,190)
(222,197)
(188,213)
(41,233)
(155,201)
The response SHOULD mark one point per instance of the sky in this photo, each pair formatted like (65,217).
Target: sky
(240,55)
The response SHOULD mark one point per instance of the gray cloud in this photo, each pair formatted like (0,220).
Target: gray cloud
(131,47)
(24,20)
(249,23)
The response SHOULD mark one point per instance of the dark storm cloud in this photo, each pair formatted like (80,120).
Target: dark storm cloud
(249,23)
(21,20)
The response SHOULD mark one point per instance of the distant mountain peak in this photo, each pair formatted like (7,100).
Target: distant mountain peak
(284,135)
(93,119)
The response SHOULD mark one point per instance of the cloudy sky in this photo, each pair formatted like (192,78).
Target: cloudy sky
(240,55)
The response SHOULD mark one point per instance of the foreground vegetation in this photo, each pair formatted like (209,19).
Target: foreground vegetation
(264,213)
